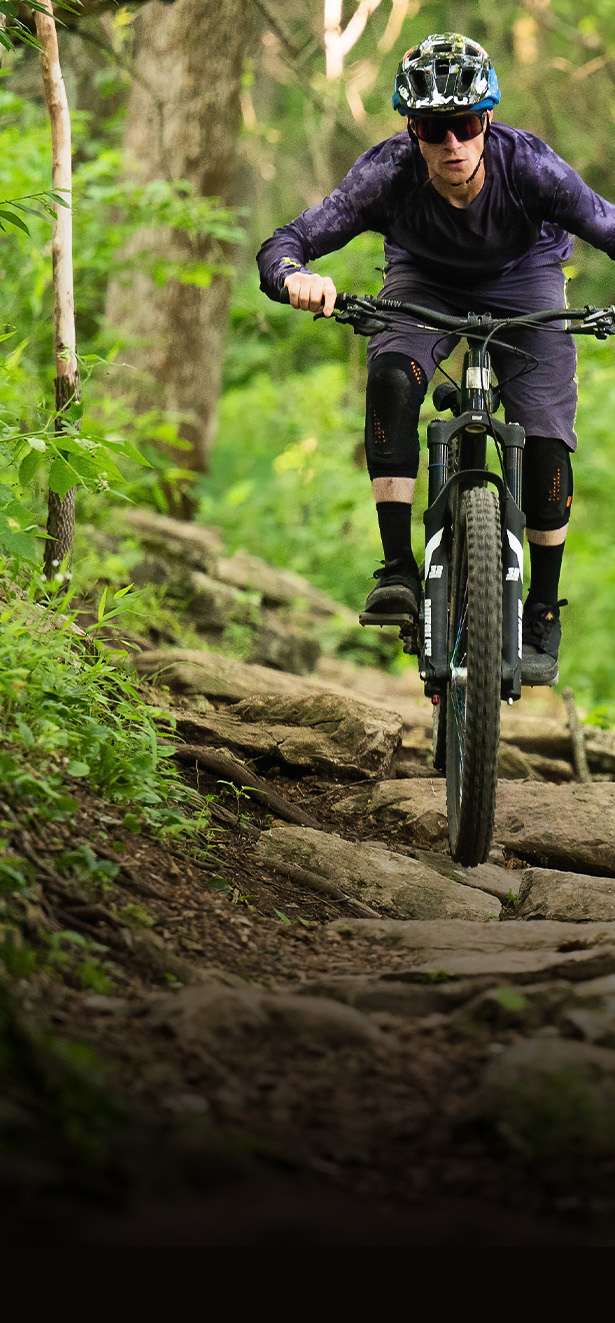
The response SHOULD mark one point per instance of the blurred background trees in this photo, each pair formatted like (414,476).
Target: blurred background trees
(199,127)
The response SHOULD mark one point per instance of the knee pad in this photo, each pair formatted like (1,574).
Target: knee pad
(396,388)
(547,483)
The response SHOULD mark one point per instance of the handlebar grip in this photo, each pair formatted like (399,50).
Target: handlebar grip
(284,295)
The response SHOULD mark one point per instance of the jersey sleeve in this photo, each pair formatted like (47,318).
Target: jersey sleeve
(357,204)
(553,191)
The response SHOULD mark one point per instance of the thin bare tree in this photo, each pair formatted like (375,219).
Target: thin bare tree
(61,510)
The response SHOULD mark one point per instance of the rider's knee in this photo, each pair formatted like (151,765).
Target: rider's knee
(396,388)
(547,483)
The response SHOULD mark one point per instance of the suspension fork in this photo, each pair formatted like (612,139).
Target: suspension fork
(443,492)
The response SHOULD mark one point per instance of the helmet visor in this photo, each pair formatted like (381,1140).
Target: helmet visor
(434,128)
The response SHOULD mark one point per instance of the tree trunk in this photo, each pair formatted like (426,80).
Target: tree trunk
(183,122)
(61,510)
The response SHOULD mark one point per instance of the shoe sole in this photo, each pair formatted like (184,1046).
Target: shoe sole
(398,618)
(547,678)
(392,601)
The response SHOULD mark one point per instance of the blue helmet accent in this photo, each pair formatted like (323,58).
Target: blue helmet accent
(446,73)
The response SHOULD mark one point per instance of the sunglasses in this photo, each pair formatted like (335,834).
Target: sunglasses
(434,128)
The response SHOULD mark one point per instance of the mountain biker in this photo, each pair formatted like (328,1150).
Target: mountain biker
(477,216)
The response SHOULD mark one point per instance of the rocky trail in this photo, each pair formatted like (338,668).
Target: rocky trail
(326,1031)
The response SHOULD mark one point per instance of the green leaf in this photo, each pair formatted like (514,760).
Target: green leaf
(31,211)
(13,219)
(125,448)
(16,541)
(28,466)
(61,477)
(77,768)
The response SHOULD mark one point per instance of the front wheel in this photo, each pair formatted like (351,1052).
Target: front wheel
(474,686)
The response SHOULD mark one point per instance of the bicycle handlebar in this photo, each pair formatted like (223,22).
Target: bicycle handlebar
(362,312)
(367,315)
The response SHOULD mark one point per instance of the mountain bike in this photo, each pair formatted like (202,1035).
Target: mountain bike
(468,634)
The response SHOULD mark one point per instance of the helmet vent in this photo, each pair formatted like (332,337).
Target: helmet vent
(420,82)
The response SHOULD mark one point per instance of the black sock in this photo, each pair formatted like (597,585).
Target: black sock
(546,564)
(394,519)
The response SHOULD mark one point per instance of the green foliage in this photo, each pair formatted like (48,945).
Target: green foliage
(79,959)
(84,866)
(100,440)
(17,31)
(69,714)
(287,486)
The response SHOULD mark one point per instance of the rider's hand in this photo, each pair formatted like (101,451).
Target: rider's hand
(311,293)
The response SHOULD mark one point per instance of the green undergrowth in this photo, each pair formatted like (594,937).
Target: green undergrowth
(71,713)
(78,743)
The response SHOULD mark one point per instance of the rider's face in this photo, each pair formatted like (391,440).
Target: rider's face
(453,161)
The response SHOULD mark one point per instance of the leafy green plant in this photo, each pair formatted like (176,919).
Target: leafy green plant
(85,867)
(69,713)
(69,953)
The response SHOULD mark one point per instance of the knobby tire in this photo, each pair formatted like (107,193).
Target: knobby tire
(475,653)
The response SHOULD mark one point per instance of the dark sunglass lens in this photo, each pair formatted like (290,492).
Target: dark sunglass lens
(430,130)
(467,127)
(435,130)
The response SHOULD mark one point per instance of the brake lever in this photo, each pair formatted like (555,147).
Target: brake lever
(599,322)
(363,323)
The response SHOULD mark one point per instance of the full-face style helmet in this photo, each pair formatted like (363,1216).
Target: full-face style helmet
(446,73)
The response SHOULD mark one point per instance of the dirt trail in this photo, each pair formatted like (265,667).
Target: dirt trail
(322,1031)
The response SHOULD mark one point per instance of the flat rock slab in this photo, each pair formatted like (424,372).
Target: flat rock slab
(331,735)
(546,893)
(176,539)
(569,827)
(218,1012)
(197,671)
(563,827)
(202,672)
(419,803)
(493,878)
(278,587)
(520,952)
(377,875)
(377,996)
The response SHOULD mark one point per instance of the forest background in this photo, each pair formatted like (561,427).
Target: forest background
(197,129)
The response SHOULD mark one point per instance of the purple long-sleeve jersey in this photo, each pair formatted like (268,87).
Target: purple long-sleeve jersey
(530,204)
